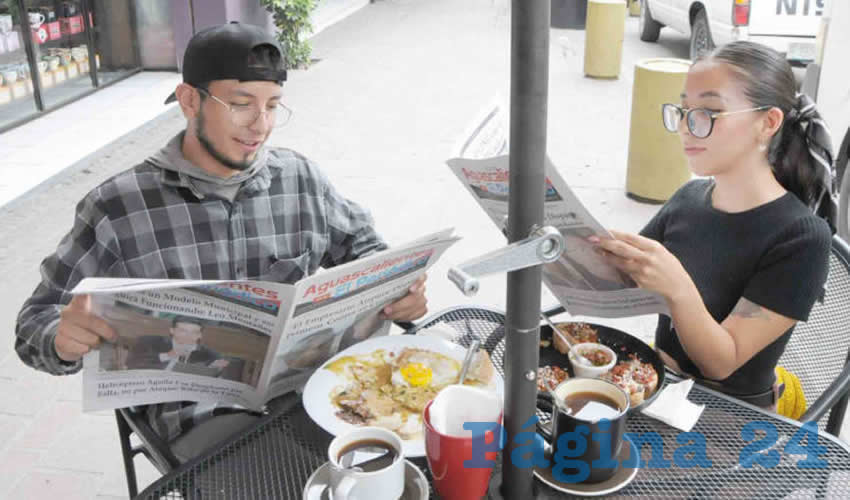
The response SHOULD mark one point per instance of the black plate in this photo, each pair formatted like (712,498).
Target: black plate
(619,341)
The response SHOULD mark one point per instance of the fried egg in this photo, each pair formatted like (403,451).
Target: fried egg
(421,368)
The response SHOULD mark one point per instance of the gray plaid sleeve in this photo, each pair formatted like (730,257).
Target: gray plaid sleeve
(89,249)
(351,228)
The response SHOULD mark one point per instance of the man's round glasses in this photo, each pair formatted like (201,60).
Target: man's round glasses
(245,115)
(700,121)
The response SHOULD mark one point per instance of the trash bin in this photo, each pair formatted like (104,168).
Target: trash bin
(657,165)
(603,46)
(569,14)
(634,8)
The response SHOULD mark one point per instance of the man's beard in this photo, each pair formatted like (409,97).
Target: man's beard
(205,142)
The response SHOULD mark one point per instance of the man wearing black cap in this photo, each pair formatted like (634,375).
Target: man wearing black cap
(212,204)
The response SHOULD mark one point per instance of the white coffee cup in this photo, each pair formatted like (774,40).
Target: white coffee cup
(351,483)
(36,19)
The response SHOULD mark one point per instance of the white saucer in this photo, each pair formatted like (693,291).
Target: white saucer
(415,483)
(619,480)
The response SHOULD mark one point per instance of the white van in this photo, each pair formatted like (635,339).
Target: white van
(789,26)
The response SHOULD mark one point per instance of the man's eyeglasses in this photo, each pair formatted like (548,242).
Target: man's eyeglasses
(244,115)
(700,121)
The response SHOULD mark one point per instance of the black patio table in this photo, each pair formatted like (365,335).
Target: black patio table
(274,458)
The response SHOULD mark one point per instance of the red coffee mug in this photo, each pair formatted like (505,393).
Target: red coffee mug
(446,455)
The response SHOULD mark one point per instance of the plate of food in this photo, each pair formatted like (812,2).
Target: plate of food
(639,370)
(387,381)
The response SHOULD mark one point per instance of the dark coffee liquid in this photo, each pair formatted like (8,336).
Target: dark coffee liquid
(369,455)
(576,401)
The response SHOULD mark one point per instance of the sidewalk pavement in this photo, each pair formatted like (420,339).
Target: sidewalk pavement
(395,86)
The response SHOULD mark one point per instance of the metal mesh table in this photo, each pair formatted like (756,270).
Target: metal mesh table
(275,458)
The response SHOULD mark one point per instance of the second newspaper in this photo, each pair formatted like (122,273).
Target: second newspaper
(582,281)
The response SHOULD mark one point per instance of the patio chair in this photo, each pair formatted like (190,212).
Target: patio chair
(133,420)
(819,350)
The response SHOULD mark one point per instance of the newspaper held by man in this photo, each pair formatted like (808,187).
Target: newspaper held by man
(582,281)
(240,342)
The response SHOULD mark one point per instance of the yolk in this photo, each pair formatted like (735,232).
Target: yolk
(416,374)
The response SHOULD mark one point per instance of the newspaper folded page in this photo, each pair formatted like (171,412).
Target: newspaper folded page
(582,281)
(240,342)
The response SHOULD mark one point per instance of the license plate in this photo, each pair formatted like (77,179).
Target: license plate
(802,51)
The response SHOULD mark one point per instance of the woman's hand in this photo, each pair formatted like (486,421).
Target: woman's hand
(647,262)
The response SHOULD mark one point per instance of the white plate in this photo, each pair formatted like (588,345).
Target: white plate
(318,403)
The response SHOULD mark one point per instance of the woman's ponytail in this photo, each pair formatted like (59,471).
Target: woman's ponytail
(801,152)
(801,156)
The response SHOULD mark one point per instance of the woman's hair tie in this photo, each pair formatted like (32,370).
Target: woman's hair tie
(804,110)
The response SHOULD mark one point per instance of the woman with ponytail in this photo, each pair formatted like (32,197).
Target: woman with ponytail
(741,254)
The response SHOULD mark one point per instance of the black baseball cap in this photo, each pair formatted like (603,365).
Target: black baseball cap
(225,52)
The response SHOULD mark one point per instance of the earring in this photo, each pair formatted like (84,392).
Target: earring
(762,147)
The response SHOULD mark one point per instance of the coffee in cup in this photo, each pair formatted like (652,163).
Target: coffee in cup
(366,464)
(601,407)
(596,403)
(368,455)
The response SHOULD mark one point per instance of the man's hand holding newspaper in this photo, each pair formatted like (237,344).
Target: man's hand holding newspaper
(79,330)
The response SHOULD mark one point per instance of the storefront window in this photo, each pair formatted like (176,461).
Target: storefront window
(16,87)
(60,46)
(55,51)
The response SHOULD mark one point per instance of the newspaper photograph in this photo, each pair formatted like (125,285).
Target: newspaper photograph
(239,342)
(582,281)
(183,341)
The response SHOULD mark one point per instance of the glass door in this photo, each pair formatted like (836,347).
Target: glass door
(17,99)
(60,49)
(116,46)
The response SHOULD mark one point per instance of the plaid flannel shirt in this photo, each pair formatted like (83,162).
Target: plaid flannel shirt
(285,222)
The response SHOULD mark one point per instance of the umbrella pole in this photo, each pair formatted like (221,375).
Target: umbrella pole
(528,113)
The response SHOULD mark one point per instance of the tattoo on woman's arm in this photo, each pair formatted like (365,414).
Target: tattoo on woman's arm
(746,309)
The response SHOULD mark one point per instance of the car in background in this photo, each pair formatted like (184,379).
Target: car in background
(789,26)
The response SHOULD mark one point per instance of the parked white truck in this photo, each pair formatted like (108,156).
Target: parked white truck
(789,26)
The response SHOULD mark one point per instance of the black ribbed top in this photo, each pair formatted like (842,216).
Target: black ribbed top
(776,255)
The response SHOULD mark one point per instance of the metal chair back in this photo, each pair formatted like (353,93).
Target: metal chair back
(134,421)
(819,348)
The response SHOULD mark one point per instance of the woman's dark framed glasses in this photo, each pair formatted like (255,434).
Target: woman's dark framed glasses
(700,121)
